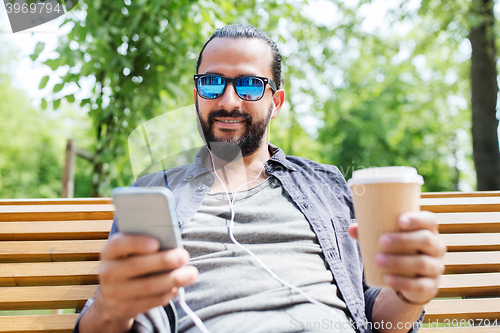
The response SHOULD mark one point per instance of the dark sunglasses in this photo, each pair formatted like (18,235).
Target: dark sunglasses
(248,88)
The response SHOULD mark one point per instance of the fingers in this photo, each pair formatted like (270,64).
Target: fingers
(421,241)
(411,265)
(122,301)
(163,283)
(151,286)
(127,285)
(122,245)
(413,257)
(128,268)
(418,220)
(418,290)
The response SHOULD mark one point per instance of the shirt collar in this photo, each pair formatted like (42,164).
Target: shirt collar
(197,168)
(278,156)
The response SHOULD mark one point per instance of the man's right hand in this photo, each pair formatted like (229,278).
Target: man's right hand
(127,287)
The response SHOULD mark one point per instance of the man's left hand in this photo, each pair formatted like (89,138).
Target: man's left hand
(413,256)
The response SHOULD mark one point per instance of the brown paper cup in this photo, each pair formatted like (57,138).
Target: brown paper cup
(378,202)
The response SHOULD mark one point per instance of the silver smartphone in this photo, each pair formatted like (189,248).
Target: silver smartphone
(148,211)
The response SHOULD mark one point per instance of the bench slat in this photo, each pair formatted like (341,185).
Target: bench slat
(35,324)
(460,194)
(51,297)
(475,309)
(57,201)
(471,242)
(469,285)
(31,251)
(21,213)
(450,223)
(472,262)
(49,273)
(97,229)
(447,218)
(461,208)
(461,205)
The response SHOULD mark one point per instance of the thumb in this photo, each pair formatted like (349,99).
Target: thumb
(353,230)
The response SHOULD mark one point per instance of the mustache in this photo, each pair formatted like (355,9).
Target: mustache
(233,114)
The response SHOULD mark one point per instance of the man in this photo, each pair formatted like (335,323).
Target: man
(293,213)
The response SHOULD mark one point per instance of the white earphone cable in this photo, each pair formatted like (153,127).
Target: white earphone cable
(197,321)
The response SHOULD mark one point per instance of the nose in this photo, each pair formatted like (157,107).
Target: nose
(230,100)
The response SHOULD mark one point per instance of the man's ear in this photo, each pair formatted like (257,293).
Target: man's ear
(278,100)
(194,95)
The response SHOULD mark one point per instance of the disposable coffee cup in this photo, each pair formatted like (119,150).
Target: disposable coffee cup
(380,196)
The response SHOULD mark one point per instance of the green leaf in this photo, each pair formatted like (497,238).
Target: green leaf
(70,98)
(58,87)
(38,49)
(56,103)
(53,63)
(44,104)
(43,82)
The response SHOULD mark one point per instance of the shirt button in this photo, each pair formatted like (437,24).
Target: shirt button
(201,188)
(209,177)
(189,177)
(305,205)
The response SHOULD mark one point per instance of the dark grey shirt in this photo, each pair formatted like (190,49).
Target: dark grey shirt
(321,194)
(233,292)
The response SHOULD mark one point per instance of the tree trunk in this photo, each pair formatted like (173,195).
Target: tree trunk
(484,98)
(105,131)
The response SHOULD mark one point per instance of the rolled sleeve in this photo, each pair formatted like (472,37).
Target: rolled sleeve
(370,296)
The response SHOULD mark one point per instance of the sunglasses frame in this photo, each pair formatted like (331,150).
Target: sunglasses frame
(228,80)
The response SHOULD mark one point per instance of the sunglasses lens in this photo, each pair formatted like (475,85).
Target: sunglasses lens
(211,86)
(250,88)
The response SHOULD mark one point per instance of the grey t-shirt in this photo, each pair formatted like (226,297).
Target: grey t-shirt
(233,293)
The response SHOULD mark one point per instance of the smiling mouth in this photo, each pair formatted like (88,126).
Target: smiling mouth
(229,121)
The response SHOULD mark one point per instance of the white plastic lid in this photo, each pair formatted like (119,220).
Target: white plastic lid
(392,174)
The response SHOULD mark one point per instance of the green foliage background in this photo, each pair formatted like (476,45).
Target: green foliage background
(355,98)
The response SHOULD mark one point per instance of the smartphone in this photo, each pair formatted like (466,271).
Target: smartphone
(148,211)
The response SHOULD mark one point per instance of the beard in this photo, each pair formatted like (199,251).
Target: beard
(229,149)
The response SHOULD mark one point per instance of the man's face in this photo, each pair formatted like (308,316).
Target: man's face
(228,120)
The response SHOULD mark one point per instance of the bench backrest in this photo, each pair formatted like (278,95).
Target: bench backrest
(49,258)
(469,224)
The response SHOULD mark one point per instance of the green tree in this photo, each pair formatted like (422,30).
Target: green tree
(382,97)
(472,21)
(355,98)
(31,157)
(142,57)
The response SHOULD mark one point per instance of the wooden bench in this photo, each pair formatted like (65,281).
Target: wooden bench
(49,252)
(49,259)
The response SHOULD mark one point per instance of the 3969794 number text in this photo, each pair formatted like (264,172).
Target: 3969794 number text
(470,323)
(33,8)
